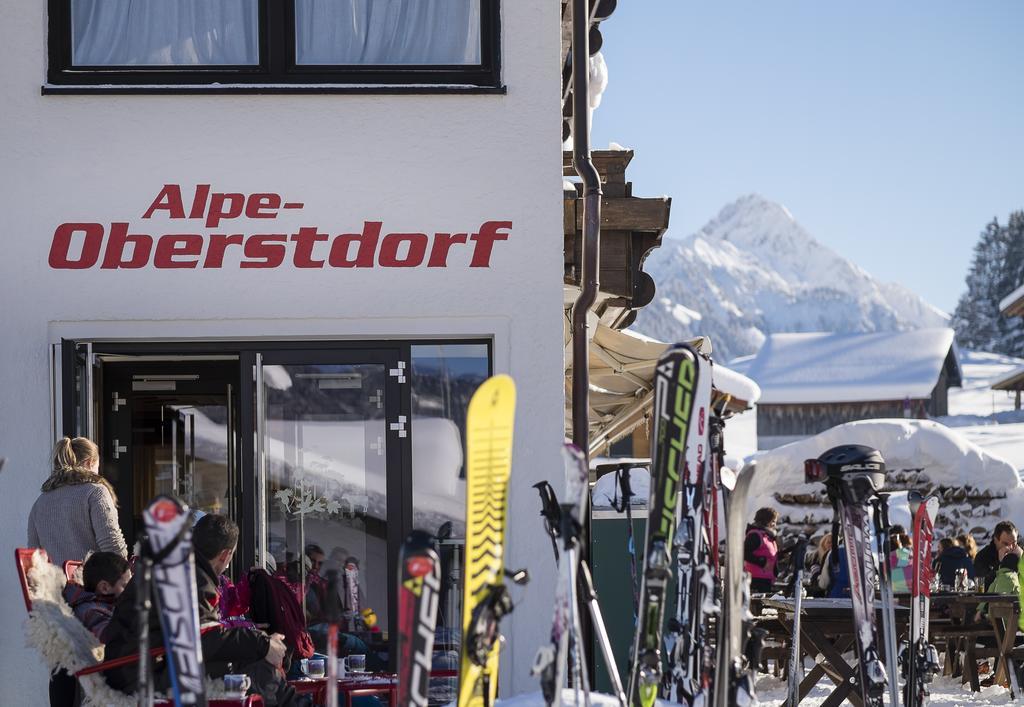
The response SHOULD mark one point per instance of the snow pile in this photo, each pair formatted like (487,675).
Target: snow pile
(1002,440)
(945,457)
(754,270)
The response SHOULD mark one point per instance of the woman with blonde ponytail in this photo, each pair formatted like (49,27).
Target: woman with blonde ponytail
(77,511)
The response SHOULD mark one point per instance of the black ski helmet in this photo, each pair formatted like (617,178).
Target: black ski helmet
(854,471)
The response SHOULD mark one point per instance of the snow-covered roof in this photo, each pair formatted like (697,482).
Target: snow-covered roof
(1008,302)
(621,369)
(829,368)
(1010,381)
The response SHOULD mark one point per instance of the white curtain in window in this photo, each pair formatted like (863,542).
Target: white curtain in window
(164,32)
(384,32)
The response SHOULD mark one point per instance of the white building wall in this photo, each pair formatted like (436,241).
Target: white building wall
(418,163)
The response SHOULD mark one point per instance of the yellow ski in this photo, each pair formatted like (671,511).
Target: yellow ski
(489,424)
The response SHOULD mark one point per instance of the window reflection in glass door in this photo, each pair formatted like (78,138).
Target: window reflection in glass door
(325,459)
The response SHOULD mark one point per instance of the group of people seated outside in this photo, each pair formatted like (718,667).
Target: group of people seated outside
(995,568)
(260,626)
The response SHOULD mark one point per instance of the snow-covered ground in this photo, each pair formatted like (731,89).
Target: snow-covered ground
(945,692)
(984,416)
(771,692)
(976,398)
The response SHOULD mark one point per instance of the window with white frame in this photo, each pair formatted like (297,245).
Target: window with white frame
(274,42)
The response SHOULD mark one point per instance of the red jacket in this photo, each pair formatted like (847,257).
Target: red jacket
(272,602)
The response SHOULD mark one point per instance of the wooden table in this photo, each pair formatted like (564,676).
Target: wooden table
(951,619)
(383,684)
(826,632)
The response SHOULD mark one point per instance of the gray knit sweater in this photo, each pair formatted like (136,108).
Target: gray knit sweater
(70,521)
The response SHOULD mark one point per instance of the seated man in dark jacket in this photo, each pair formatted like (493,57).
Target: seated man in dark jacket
(235,650)
(986,562)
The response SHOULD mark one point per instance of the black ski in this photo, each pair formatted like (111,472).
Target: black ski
(675,383)
(853,474)
(687,639)
(796,660)
(419,571)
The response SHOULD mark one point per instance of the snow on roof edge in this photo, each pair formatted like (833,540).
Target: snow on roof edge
(1011,298)
(735,384)
(826,367)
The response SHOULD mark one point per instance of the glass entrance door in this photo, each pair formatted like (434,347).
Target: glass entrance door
(328,427)
(79,387)
(169,427)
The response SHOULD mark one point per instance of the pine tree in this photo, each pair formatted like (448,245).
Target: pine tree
(976,318)
(1011,338)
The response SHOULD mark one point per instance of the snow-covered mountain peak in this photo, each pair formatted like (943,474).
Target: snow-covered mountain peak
(754,270)
(754,221)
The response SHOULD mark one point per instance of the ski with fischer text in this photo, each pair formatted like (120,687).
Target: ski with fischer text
(687,641)
(675,386)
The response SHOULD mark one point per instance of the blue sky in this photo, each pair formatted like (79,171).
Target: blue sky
(893,131)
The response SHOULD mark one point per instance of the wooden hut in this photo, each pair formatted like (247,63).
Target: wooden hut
(813,381)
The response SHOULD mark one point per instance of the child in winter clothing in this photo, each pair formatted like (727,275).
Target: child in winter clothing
(900,560)
(104,577)
(761,550)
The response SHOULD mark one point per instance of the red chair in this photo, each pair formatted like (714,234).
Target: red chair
(23,557)
(70,568)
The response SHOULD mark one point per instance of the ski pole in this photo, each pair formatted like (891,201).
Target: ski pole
(551,512)
(796,665)
(881,504)
(597,618)
(627,503)
(143,605)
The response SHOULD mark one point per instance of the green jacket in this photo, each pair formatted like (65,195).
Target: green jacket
(1009,580)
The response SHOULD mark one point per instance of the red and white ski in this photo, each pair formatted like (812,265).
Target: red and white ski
(921,661)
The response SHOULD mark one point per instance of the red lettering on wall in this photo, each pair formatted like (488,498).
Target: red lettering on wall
(169,200)
(367,242)
(392,242)
(113,256)
(199,201)
(86,245)
(60,248)
(219,242)
(485,242)
(266,251)
(442,243)
(305,240)
(178,244)
(224,206)
(262,205)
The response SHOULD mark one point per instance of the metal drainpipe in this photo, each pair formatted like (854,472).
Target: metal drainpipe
(591,224)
